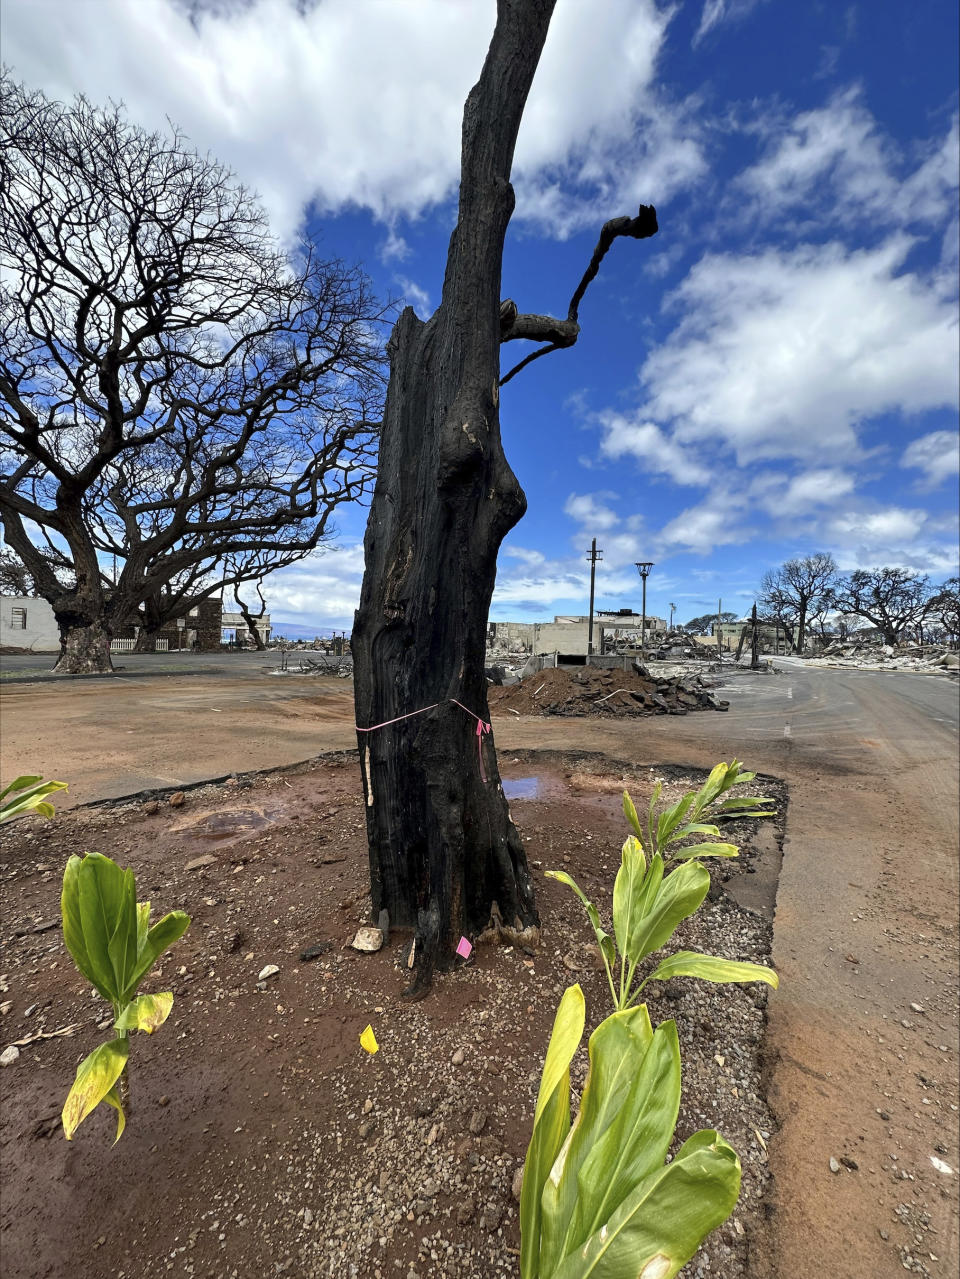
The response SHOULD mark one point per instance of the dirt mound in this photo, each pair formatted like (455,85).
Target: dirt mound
(594,691)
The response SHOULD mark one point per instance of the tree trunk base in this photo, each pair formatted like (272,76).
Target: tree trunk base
(84,650)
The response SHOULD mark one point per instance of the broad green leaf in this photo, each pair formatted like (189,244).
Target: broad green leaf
(744,801)
(146,1012)
(652,819)
(163,934)
(72,927)
(705,850)
(694,828)
(635,1144)
(749,812)
(32,799)
(671,819)
(143,925)
(617,1049)
(19,783)
(123,943)
(96,1076)
(712,787)
(659,1227)
(630,813)
(101,884)
(689,963)
(627,893)
(551,1123)
(678,896)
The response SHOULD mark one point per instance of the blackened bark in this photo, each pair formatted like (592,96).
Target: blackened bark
(444,854)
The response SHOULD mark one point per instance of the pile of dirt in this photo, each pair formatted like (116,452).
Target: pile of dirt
(593,691)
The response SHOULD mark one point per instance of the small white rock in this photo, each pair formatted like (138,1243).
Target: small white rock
(941,1166)
(9,1056)
(368,939)
(269,971)
(834,1165)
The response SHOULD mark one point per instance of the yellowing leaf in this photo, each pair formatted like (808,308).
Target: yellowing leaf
(96,1076)
(146,1012)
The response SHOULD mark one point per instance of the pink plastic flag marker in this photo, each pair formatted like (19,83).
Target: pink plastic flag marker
(464,948)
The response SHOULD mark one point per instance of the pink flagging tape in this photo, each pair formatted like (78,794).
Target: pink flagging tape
(482,726)
(464,948)
(422,711)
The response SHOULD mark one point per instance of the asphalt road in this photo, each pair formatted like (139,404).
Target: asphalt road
(865,931)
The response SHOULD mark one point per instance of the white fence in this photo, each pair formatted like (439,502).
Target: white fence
(128,645)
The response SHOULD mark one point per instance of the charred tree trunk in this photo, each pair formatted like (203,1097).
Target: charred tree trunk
(252,627)
(84,645)
(444,855)
(754,641)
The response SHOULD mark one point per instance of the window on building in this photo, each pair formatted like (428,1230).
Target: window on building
(18,619)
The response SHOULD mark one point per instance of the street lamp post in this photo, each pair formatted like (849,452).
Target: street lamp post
(643,568)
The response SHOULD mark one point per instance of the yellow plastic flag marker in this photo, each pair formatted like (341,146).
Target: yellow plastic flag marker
(368,1040)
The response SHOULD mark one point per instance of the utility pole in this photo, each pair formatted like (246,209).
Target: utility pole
(673,609)
(643,568)
(593,555)
(719,632)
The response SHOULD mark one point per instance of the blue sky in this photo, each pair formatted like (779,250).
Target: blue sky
(775,373)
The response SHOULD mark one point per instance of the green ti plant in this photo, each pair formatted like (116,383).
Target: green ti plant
(26,794)
(649,904)
(598,1199)
(108,934)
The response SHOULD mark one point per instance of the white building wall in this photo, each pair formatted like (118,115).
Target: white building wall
(40,635)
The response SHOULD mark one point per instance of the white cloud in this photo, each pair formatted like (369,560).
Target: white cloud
(416,297)
(808,492)
(714,522)
(341,103)
(652,447)
(909,537)
(323,589)
(591,511)
(785,353)
(717,12)
(937,454)
(531,559)
(835,160)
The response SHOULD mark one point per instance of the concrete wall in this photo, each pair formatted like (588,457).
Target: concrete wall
(40,634)
(563,637)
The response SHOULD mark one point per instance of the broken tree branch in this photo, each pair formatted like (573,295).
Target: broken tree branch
(559,334)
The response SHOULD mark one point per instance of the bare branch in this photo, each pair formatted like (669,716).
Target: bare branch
(560,334)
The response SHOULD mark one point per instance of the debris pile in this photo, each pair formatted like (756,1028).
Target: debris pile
(929,658)
(594,691)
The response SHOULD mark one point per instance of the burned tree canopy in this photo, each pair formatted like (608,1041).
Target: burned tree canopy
(175,391)
(445,857)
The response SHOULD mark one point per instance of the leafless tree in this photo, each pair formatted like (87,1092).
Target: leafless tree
(174,390)
(943,609)
(797,591)
(891,599)
(445,857)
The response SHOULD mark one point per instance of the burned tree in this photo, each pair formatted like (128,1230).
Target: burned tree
(797,591)
(893,600)
(175,392)
(445,857)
